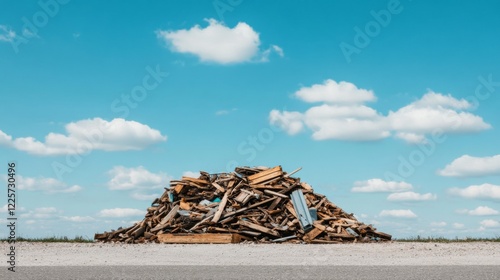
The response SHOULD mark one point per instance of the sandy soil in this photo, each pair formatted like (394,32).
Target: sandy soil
(395,253)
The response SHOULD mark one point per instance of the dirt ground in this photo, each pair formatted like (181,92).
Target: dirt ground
(393,253)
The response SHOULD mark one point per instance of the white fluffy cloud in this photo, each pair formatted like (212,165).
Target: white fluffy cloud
(121,212)
(343,116)
(458,225)
(6,34)
(218,43)
(485,191)
(332,92)
(479,211)
(47,185)
(86,135)
(438,224)
(411,196)
(41,213)
(123,178)
(143,183)
(490,223)
(192,174)
(78,219)
(146,197)
(469,166)
(291,122)
(379,185)
(407,214)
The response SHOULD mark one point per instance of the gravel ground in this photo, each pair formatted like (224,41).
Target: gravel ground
(393,253)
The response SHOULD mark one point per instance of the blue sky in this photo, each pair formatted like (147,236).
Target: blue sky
(390,107)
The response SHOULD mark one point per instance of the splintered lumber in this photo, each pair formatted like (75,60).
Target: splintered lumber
(257,204)
(265,175)
(258,228)
(203,238)
(220,208)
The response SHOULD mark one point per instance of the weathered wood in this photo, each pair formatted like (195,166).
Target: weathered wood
(264,173)
(293,172)
(255,204)
(194,180)
(312,234)
(203,238)
(275,194)
(259,228)
(217,186)
(167,218)
(222,205)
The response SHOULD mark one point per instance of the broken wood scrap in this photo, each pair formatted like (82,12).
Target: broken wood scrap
(250,204)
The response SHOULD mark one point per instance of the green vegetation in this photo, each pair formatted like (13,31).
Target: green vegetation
(77,239)
(447,240)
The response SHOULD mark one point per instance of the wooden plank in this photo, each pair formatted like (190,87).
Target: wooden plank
(306,186)
(202,238)
(249,207)
(178,188)
(312,234)
(166,219)
(185,205)
(382,235)
(270,187)
(259,228)
(217,186)
(264,173)
(194,180)
(275,193)
(274,204)
(321,227)
(267,177)
(290,209)
(293,172)
(222,205)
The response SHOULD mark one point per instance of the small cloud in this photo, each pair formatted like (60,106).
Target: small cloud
(278,50)
(41,213)
(121,212)
(46,185)
(379,185)
(28,34)
(490,223)
(458,226)
(136,178)
(76,35)
(7,34)
(192,174)
(406,214)
(485,191)
(482,211)
(146,197)
(225,112)
(412,138)
(438,224)
(216,42)
(469,166)
(411,196)
(78,219)
(265,54)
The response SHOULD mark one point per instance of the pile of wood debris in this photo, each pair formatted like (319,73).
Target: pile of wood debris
(257,204)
